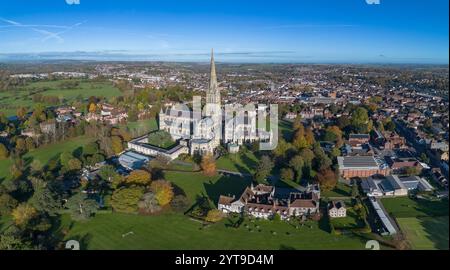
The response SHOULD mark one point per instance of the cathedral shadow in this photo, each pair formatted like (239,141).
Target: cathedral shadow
(249,162)
(227,186)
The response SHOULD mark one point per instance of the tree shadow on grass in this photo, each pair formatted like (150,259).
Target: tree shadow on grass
(227,186)
(436,230)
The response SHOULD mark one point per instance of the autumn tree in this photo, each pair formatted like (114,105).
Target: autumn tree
(7,204)
(125,200)
(116,144)
(4,153)
(92,108)
(299,141)
(23,213)
(287,174)
(138,177)
(208,165)
(327,179)
(163,191)
(309,136)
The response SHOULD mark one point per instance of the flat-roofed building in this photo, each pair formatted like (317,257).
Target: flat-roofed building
(132,160)
(361,166)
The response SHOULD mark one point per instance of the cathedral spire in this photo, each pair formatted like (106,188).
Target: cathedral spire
(213,76)
(213,94)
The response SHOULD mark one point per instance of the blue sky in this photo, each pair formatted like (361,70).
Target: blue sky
(395,31)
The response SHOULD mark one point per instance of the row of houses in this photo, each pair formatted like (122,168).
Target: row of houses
(265,202)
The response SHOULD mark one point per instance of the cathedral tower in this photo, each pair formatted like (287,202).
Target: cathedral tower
(213,93)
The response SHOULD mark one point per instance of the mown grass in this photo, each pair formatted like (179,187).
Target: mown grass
(176,231)
(243,162)
(426,233)
(404,207)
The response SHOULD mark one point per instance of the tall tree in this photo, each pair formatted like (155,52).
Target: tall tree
(125,200)
(264,168)
(81,207)
(208,165)
(297,163)
(163,192)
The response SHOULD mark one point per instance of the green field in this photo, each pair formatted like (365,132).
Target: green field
(402,207)
(424,222)
(10,101)
(341,190)
(142,127)
(426,233)
(196,184)
(245,162)
(351,221)
(175,231)
(45,153)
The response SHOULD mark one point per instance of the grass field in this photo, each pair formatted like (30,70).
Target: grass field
(45,153)
(424,223)
(240,162)
(351,221)
(426,233)
(404,207)
(142,127)
(10,101)
(175,231)
(197,184)
(341,190)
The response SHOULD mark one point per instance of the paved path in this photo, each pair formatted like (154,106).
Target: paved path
(234,173)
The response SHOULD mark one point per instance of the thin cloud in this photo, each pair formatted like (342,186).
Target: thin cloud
(294,26)
(37,28)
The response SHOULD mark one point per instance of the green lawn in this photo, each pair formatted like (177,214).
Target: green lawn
(10,101)
(175,231)
(351,221)
(426,233)
(45,153)
(403,207)
(341,190)
(142,127)
(196,184)
(245,162)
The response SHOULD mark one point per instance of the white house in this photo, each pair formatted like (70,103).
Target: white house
(337,209)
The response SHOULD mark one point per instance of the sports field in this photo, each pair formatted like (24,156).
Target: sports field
(426,233)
